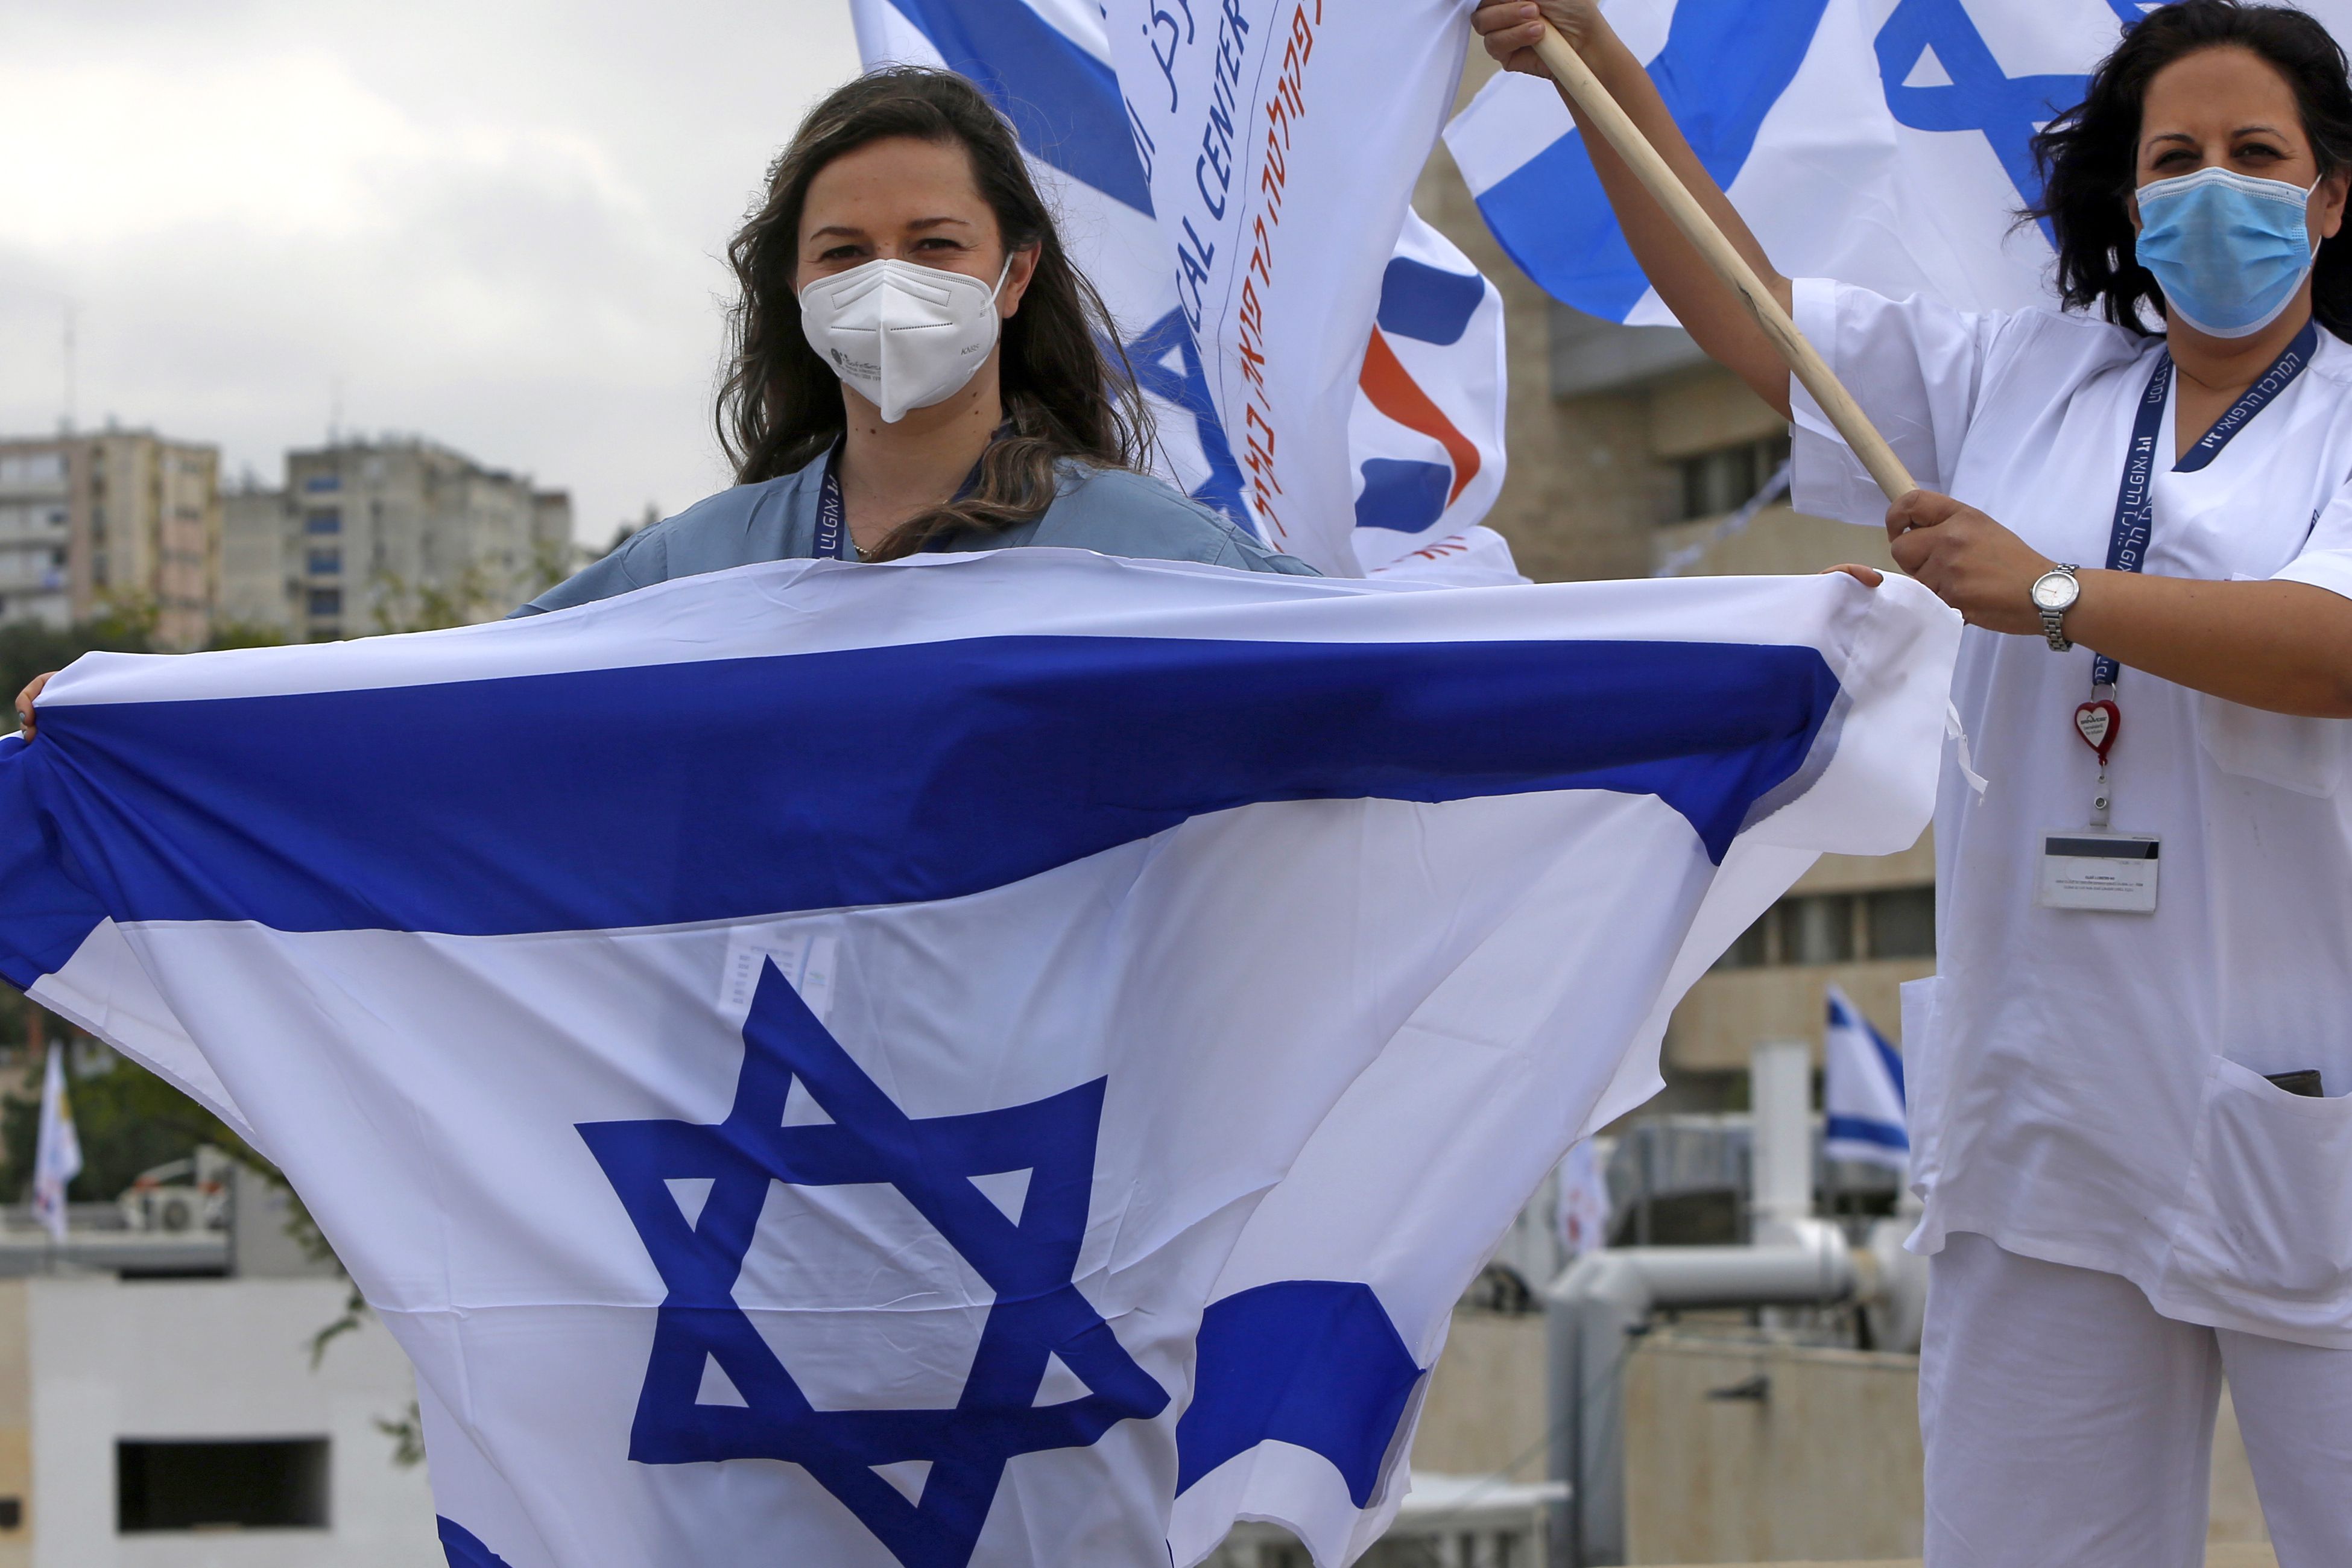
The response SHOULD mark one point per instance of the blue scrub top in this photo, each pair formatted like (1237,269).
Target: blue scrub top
(1112,511)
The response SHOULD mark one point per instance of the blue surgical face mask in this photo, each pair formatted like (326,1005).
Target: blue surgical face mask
(2228,249)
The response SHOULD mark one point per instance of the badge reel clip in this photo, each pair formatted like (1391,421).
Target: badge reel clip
(2096,867)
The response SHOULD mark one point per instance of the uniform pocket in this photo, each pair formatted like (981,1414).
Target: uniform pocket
(2305,756)
(2263,1233)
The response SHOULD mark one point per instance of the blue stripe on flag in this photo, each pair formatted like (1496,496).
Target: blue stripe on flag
(1891,1060)
(726,789)
(1861,1129)
(45,913)
(463,1549)
(1725,65)
(1844,1018)
(1314,1362)
(1063,100)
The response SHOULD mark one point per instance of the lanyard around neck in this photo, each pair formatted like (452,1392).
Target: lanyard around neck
(832,532)
(2135,497)
(832,527)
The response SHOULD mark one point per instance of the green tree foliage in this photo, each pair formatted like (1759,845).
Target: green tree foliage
(27,648)
(128,1120)
(243,634)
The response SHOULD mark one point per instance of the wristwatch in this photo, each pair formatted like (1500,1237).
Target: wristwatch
(2055,592)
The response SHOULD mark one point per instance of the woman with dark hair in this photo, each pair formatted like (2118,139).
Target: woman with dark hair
(2131,1123)
(916,365)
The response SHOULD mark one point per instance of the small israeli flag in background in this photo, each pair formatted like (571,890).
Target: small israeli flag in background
(56,1152)
(1863,1091)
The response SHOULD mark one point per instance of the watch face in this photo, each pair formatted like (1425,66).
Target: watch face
(2054,590)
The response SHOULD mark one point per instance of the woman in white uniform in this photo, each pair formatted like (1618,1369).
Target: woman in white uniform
(2130,1120)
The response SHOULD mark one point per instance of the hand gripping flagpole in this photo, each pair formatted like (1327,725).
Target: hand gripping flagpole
(1604,113)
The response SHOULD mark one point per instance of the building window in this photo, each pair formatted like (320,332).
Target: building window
(326,563)
(1901,922)
(274,1483)
(1712,483)
(1818,929)
(327,521)
(1753,949)
(1838,928)
(326,601)
(34,469)
(318,484)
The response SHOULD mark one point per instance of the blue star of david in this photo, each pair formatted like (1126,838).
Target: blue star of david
(1038,1312)
(1185,386)
(1978,95)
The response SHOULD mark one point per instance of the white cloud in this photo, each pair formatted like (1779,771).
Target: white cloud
(498,227)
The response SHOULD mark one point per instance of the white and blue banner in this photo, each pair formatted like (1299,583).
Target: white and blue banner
(1880,142)
(998,1059)
(1862,1090)
(1399,454)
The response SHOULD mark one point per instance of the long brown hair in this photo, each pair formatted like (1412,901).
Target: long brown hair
(2088,155)
(1068,390)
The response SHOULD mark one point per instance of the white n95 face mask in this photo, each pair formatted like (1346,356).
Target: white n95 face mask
(906,336)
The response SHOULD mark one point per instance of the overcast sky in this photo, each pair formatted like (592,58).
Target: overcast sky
(499,226)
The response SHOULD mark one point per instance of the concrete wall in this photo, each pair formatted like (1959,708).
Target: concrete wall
(1826,1468)
(1484,1413)
(203,1359)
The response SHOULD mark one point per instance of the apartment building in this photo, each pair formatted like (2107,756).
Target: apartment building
(115,519)
(395,534)
(36,515)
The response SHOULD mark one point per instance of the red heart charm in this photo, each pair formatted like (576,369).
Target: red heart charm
(2099,722)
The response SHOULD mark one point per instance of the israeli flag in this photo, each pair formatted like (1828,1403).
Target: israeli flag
(56,1148)
(1862,1090)
(995,1059)
(1425,441)
(1881,142)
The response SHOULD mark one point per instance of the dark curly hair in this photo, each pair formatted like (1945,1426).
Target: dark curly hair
(1065,397)
(2089,154)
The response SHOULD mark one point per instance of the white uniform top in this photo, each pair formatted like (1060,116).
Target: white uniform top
(2087,1087)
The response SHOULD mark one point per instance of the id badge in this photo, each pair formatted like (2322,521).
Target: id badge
(2093,869)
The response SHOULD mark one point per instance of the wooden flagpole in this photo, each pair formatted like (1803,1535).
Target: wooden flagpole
(1604,113)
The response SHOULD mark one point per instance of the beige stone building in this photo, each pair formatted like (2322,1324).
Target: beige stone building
(118,518)
(390,535)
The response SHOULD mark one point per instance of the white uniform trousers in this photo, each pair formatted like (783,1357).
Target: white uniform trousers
(2069,1425)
